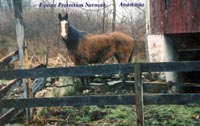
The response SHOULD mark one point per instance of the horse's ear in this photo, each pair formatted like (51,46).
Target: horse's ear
(66,15)
(59,16)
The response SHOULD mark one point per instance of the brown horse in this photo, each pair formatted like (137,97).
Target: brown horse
(87,48)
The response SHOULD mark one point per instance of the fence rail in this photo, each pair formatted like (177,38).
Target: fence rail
(149,99)
(140,99)
(100,70)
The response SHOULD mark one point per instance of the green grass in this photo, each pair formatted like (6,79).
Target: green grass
(121,116)
(155,115)
(172,115)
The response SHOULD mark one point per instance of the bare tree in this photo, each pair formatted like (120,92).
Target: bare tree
(9,2)
(104,15)
(114,15)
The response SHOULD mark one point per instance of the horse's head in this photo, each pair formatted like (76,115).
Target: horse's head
(63,25)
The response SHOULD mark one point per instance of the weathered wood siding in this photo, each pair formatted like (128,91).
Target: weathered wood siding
(174,16)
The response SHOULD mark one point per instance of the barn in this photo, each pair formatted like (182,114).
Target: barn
(173,34)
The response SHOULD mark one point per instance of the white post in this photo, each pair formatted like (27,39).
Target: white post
(20,40)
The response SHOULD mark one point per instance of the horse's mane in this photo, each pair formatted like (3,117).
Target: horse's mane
(74,37)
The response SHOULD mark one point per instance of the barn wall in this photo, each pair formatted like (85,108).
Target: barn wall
(160,49)
(173,34)
(174,16)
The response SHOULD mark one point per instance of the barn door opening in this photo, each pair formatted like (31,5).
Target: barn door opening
(187,46)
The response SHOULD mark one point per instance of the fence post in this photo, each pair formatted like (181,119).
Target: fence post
(139,94)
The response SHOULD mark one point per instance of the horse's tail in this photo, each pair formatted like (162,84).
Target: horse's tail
(131,57)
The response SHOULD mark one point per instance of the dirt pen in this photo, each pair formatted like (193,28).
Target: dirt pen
(139,98)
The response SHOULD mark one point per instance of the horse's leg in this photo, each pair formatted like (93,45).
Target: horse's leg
(85,82)
(82,82)
(88,82)
(123,58)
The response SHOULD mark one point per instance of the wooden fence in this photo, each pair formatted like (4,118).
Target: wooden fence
(139,98)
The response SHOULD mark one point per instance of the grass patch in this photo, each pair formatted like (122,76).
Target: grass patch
(172,115)
(155,115)
(121,115)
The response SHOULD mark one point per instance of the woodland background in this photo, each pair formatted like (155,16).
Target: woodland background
(41,30)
